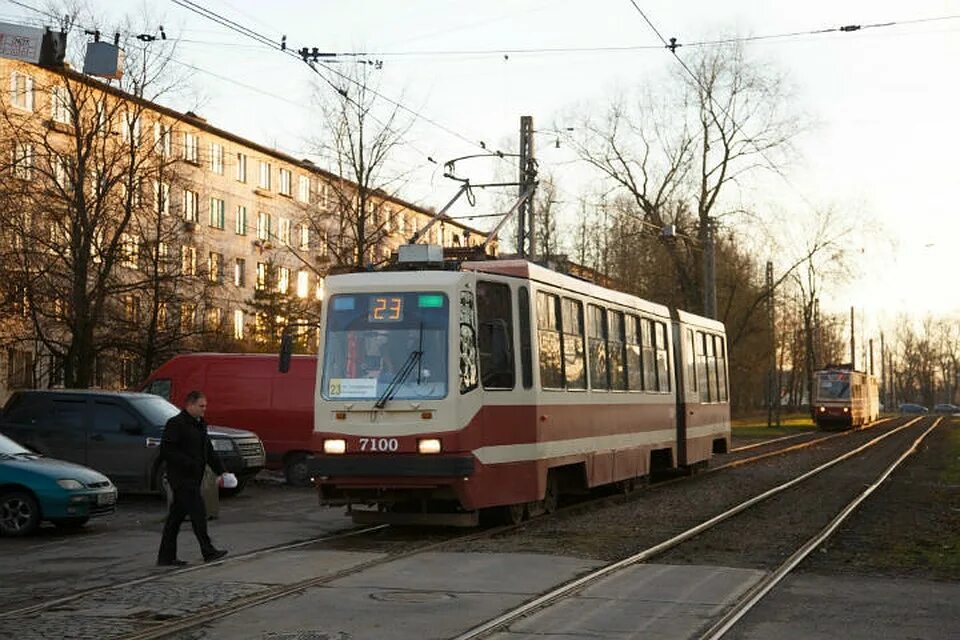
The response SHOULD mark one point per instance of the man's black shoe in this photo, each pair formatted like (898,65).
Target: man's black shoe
(176,562)
(216,555)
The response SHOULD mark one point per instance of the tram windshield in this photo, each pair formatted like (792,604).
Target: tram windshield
(833,386)
(372,338)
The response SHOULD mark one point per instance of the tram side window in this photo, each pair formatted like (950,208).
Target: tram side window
(526,347)
(634,369)
(721,368)
(617,351)
(495,335)
(548,341)
(597,330)
(468,344)
(663,358)
(574,357)
(691,369)
(712,368)
(702,382)
(648,355)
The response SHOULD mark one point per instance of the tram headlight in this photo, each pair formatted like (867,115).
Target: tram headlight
(429,445)
(334,447)
(846,409)
(823,409)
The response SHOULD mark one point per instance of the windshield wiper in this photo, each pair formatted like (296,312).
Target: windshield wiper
(412,360)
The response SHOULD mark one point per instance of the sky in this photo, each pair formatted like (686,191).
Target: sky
(882,102)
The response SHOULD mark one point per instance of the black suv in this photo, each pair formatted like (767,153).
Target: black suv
(117,433)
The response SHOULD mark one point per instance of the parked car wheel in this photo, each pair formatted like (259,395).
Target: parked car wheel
(297,471)
(19,513)
(70,523)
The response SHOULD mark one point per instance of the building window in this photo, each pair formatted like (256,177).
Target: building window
(283,230)
(162,316)
(19,369)
(240,272)
(217,213)
(161,192)
(303,284)
(188,317)
(191,147)
(261,276)
(241,226)
(215,267)
(130,127)
(283,280)
(163,138)
(216,158)
(21,91)
(131,309)
(130,250)
(60,105)
(303,192)
(191,205)
(238,324)
(265,174)
(263,226)
(214,318)
(304,236)
(23,161)
(286,179)
(188,260)
(241,167)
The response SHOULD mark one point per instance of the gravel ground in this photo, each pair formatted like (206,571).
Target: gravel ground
(910,527)
(657,513)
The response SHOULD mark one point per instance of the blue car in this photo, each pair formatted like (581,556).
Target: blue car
(34,488)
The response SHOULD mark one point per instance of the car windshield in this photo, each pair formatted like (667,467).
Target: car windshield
(10,448)
(156,410)
(833,386)
(370,338)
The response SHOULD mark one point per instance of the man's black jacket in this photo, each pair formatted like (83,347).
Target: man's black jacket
(187,451)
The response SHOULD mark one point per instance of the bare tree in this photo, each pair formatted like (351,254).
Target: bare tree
(677,154)
(362,133)
(82,166)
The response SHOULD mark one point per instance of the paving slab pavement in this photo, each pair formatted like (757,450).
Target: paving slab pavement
(857,608)
(429,596)
(643,601)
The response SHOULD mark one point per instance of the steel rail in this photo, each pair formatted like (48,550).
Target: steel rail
(577,584)
(768,582)
(803,445)
(41,606)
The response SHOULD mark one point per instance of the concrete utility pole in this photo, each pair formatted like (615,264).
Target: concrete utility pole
(773,382)
(871,356)
(526,238)
(883,370)
(853,344)
(709,270)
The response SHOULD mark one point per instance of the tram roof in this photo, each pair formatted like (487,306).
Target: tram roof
(529,271)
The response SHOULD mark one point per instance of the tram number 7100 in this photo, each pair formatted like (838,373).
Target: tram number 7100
(382,445)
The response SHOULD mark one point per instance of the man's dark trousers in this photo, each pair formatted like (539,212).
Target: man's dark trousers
(187,501)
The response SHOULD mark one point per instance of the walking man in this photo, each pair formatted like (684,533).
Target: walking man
(187,451)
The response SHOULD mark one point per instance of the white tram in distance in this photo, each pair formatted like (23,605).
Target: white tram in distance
(845,397)
(499,386)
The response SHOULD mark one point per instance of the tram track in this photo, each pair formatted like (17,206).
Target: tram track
(165,628)
(576,585)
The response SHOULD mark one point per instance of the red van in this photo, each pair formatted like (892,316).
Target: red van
(246,391)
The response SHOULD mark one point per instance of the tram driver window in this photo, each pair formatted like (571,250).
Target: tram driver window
(495,335)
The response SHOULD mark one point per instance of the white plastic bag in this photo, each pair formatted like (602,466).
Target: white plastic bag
(227,481)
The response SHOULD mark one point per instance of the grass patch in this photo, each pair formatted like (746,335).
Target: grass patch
(756,426)
(951,475)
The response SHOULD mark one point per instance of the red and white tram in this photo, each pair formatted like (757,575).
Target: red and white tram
(441,394)
(845,397)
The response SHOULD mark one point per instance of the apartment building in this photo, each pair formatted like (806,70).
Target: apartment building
(246,217)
